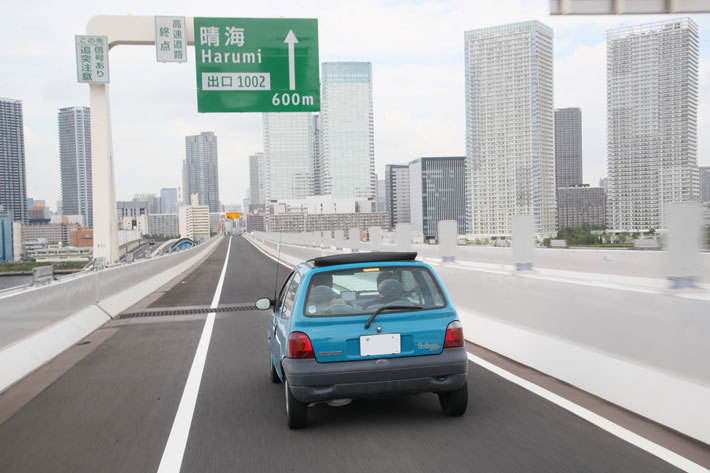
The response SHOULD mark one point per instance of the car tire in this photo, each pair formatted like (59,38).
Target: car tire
(454,403)
(296,411)
(272,371)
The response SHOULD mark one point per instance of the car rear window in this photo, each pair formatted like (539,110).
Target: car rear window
(363,290)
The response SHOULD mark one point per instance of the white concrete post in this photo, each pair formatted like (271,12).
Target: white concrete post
(129,30)
(375,238)
(339,240)
(403,236)
(683,221)
(523,241)
(354,239)
(102,177)
(447,240)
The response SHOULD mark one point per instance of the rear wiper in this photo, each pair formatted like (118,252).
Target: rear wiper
(387,307)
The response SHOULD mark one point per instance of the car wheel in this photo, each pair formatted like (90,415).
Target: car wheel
(454,403)
(296,411)
(272,371)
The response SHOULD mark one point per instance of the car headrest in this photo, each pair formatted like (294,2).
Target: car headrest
(321,295)
(390,289)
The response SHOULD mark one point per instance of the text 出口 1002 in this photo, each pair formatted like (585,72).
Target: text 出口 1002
(236,81)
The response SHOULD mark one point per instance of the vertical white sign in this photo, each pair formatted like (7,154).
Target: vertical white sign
(170,39)
(92,59)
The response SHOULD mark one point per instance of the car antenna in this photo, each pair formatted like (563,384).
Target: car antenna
(278,262)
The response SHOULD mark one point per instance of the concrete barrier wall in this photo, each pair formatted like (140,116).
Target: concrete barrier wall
(36,324)
(646,352)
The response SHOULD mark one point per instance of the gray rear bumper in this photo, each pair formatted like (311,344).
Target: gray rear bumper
(311,381)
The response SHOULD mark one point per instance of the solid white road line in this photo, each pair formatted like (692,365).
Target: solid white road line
(601,422)
(175,447)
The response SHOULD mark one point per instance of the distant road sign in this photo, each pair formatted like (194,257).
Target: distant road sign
(92,59)
(170,39)
(257,65)
(234,215)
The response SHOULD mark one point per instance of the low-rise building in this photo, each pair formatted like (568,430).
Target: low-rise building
(256,222)
(304,222)
(194,221)
(53,233)
(61,253)
(82,237)
(6,247)
(163,224)
(581,205)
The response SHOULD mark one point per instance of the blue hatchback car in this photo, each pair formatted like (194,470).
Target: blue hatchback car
(365,325)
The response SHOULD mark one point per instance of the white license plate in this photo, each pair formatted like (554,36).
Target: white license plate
(385,344)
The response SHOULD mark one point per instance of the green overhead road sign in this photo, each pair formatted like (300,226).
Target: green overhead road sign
(257,65)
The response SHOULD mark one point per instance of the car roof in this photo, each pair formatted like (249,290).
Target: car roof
(366,257)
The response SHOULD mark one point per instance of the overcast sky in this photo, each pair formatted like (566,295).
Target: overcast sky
(416,49)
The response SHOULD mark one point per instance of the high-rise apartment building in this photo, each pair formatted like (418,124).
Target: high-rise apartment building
(75,162)
(437,189)
(581,205)
(168,200)
(288,155)
(568,147)
(315,129)
(652,95)
(347,136)
(13,186)
(509,128)
(257,179)
(200,170)
(705,184)
(397,193)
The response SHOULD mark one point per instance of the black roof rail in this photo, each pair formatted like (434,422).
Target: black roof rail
(365,257)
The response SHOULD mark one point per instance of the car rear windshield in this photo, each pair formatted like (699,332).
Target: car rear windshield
(364,290)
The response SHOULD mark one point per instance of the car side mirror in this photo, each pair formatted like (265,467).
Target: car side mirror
(264,303)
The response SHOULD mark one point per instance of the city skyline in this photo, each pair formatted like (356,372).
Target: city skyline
(417,99)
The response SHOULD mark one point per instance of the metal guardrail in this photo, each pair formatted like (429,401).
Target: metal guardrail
(42,275)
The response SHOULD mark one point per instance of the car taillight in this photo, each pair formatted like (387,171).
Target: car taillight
(454,335)
(299,346)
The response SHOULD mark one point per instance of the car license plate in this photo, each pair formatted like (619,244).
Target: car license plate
(385,344)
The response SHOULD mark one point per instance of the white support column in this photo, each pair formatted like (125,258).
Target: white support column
(120,30)
(102,178)
(354,239)
(447,240)
(523,241)
(403,237)
(375,238)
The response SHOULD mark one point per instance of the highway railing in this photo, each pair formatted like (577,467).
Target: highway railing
(38,323)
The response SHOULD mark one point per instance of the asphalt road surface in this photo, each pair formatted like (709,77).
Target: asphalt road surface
(113,410)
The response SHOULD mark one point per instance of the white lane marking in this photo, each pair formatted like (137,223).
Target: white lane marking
(175,447)
(255,245)
(605,424)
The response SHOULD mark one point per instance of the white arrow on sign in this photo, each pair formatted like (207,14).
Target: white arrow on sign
(291,40)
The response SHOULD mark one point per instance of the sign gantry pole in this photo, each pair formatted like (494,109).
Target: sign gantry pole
(120,30)
(241,64)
